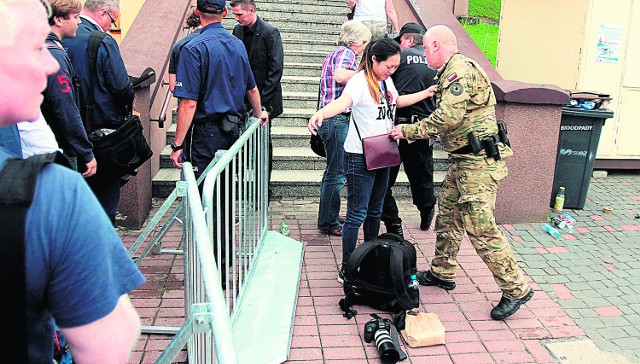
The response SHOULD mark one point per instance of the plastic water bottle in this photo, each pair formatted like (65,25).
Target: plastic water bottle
(552,231)
(559,205)
(413,282)
(284,228)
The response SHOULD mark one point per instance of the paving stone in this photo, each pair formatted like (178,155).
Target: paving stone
(615,321)
(628,343)
(613,333)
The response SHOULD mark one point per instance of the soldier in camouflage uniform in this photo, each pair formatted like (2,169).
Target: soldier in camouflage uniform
(465,104)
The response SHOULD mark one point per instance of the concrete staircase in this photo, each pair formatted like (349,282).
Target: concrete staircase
(309,31)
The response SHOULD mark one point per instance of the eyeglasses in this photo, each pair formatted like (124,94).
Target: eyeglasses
(113,21)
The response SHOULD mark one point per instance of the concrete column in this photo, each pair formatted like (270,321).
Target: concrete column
(532,114)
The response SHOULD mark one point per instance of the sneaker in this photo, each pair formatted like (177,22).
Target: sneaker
(507,307)
(426,278)
(340,278)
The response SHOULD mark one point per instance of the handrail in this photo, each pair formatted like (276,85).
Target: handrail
(167,100)
(163,111)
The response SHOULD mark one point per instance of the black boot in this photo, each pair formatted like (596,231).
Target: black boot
(426,217)
(426,278)
(394,227)
(507,307)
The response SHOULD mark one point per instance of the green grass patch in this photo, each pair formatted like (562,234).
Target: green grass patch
(485,8)
(486,37)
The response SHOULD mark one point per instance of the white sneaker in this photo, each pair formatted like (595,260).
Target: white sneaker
(340,278)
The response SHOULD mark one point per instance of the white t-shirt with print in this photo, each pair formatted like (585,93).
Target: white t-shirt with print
(371,10)
(372,118)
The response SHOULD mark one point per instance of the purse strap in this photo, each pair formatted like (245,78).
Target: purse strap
(386,98)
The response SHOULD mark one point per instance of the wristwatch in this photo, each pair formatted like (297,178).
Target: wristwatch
(176,147)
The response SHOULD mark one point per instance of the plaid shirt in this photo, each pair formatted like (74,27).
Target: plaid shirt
(341,57)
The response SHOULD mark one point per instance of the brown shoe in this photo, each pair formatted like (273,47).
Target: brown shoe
(335,232)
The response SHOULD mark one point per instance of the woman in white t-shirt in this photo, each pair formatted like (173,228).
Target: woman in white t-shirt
(374,116)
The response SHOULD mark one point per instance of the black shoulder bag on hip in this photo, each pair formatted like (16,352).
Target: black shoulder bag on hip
(122,151)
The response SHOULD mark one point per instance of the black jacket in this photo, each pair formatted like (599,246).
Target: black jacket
(266,57)
(113,92)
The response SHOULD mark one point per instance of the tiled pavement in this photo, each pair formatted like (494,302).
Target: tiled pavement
(586,283)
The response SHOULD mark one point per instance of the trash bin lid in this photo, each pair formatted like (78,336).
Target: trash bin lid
(598,113)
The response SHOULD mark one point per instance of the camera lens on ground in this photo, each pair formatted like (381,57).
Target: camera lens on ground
(386,348)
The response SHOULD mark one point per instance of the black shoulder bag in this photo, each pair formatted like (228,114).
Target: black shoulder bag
(122,151)
(317,145)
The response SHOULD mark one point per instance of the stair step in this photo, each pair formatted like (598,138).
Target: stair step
(326,46)
(302,157)
(306,183)
(310,7)
(311,34)
(164,182)
(295,116)
(300,84)
(300,100)
(304,56)
(302,69)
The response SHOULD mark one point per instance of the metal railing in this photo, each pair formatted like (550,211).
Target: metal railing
(235,188)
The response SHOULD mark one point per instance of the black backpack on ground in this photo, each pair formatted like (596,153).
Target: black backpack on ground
(378,274)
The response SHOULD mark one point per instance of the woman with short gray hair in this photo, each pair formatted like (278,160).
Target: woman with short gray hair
(337,69)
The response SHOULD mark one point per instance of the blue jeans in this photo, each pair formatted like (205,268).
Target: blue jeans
(333,133)
(365,194)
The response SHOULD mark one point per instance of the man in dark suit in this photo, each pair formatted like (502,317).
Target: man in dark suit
(266,57)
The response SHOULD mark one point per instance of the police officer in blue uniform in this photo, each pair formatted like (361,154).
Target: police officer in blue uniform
(412,75)
(112,89)
(213,76)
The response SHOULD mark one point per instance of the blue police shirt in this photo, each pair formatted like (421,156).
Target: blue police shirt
(214,70)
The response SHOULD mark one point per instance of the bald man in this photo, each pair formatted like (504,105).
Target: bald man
(465,120)
(76,269)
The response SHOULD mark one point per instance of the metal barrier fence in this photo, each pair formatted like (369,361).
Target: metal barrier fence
(235,189)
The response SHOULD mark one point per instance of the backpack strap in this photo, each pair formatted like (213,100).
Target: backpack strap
(396,269)
(95,39)
(355,259)
(17,187)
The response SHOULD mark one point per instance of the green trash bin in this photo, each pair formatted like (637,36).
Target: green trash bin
(577,146)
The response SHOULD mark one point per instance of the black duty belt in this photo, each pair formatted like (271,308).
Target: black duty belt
(467,149)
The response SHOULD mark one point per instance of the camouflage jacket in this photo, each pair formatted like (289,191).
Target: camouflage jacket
(464,103)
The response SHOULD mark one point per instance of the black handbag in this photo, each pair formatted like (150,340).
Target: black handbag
(122,151)
(351,13)
(316,143)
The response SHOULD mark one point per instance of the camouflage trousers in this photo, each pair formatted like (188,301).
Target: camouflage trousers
(466,203)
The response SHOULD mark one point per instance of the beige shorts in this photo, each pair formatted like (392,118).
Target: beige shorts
(378,28)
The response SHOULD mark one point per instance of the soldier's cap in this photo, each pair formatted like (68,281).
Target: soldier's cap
(409,28)
(212,6)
